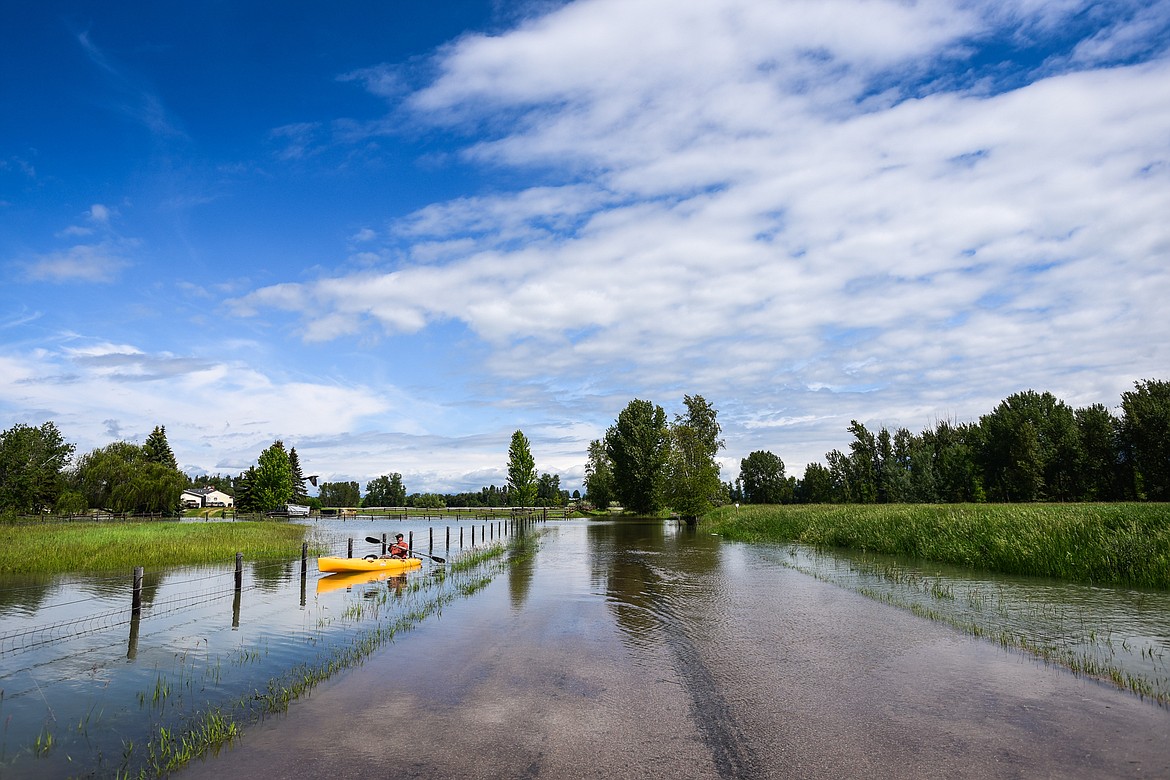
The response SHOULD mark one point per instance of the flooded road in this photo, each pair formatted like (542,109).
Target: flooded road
(641,650)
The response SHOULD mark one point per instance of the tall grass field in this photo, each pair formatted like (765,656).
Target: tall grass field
(57,548)
(1118,544)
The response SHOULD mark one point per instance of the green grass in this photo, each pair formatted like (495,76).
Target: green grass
(1120,544)
(56,548)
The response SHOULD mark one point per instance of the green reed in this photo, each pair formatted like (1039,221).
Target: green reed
(58,548)
(1122,544)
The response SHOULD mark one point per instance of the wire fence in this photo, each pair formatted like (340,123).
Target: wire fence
(220,584)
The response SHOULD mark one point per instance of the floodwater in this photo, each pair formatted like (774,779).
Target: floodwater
(647,650)
(86,685)
(620,649)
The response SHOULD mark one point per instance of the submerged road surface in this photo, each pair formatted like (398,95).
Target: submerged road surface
(629,651)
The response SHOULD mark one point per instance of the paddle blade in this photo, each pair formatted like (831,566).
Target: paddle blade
(373,540)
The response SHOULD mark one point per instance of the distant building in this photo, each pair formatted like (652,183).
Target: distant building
(197,498)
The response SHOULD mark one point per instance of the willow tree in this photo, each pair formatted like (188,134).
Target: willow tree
(123,477)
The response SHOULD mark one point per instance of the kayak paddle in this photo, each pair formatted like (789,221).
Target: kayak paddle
(435,558)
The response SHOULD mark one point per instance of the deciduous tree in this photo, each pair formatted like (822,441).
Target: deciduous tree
(521,471)
(636,445)
(122,477)
(599,476)
(386,490)
(692,473)
(31,465)
(1146,431)
(761,474)
(272,484)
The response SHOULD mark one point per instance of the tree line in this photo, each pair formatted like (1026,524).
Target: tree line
(1031,447)
(38,475)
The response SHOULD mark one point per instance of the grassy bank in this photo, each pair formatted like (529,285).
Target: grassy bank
(55,548)
(1123,544)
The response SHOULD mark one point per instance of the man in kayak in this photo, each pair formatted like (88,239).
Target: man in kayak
(398,548)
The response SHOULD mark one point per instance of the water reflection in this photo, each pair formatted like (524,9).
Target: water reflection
(520,578)
(649,571)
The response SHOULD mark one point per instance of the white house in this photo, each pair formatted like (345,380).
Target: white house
(205,497)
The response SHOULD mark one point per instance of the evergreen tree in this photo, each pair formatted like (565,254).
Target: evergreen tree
(300,494)
(158,449)
(245,493)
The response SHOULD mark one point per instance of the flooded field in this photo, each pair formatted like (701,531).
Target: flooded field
(1117,634)
(723,660)
(87,683)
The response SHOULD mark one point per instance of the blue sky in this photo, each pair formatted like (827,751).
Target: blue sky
(390,234)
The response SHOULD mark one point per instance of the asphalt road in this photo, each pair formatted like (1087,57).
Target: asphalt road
(745,671)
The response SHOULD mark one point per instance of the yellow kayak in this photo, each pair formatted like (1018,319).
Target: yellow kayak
(391,565)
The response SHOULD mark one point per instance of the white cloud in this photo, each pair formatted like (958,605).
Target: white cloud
(791,208)
(99,263)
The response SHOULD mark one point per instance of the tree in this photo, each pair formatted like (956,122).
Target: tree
(956,452)
(158,450)
(598,476)
(31,464)
(548,490)
(245,495)
(300,494)
(386,490)
(122,477)
(1030,446)
(272,484)
(426,500)
(340,494)
(762,475)
(692,473)
(817,485)
(521,471)
(1098,472)
(1146,433)
(636,445)
(862,466)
